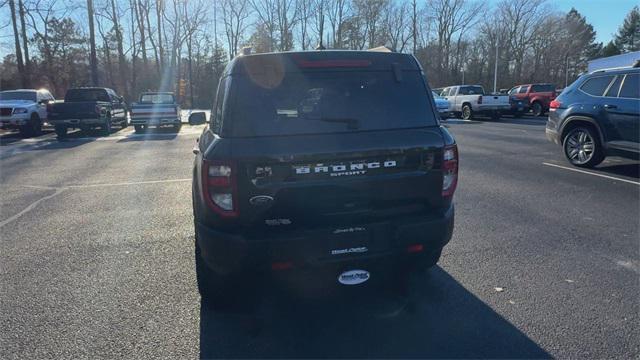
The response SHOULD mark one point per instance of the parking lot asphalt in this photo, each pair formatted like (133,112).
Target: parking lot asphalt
(96,260)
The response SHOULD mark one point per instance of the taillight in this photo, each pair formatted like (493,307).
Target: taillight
(554,104)
(98,109)
(220,188)
(449,170)
(480,99)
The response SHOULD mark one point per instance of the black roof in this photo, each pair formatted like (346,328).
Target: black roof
(339,60)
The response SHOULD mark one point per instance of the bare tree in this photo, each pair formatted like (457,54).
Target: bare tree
(16,35)
(396,26)
(25,42)
(234,15)
(122,62)
(337,12)
(305,11)
(93,58)
(320,9)
(286,17)
(266,13)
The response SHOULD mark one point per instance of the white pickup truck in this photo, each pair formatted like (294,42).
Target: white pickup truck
(470,100)
(156,109)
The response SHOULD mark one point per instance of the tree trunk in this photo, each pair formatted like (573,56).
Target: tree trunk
(93,59)
(25,44)
(122,64)
(159,10)
(140,20)
(23,75)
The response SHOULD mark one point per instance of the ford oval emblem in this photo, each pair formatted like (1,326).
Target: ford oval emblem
(353,277)
(260,200)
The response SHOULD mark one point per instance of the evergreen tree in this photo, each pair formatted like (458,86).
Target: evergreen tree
(628,37)
(610,50)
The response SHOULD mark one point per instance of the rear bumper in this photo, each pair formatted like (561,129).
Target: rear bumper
(77,122)
(552,135)
(230,253)
(156,121)
(491,108)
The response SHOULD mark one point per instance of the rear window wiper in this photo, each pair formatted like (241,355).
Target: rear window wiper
(352,123)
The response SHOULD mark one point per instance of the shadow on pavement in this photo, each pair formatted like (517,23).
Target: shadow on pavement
(10,137)
(163,133)
(445,321)
(630,170)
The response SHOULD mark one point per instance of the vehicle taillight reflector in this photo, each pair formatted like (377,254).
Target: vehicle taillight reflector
(220,188)
(449,170)
(415,248)
(480,99)
(554,104)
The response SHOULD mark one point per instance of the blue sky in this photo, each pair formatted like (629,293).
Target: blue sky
(605,15)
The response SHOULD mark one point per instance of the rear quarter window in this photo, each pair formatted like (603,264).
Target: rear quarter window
(596,85)
(630,87)
(321,102)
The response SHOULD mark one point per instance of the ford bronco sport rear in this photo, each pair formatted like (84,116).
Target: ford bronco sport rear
(330,160)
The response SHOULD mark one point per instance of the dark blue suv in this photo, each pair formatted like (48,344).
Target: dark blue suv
(598,115)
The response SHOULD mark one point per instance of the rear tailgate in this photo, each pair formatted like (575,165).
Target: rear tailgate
(153,111)
(495,102)
(72,110)
(311,181)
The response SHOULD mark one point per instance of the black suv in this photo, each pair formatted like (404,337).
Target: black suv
(332,161)
(598,115)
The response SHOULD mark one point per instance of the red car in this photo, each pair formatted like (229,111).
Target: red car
(536,96)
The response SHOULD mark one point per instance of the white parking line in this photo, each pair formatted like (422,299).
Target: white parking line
(127,183)
(592,173)
(30,207)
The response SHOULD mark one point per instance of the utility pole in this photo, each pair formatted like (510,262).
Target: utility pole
(495,68)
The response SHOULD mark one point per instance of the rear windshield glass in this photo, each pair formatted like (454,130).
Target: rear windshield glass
(18,95)
(77,95)
(471,90)
(327,102)
(157,98)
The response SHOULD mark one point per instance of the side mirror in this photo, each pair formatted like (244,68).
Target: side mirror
(197,118)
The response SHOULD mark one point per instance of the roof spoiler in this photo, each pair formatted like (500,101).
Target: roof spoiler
(381,49)
(636,64)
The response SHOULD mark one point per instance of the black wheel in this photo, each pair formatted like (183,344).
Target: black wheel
(214,288)
(106,127)
(138,128)
(467,114)
(32,128)
(582,147)
(124,124)
(61,131)
(536,109)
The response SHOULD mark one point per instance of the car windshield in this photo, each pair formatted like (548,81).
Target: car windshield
(18,95)
(80,95)
(326,102)
(157,98)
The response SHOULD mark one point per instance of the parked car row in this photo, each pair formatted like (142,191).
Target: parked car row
(85,108)
(466,101)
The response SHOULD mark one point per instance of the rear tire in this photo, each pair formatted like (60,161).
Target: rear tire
(61,132)
(467,113)
(124,124)
(139,128)
(106,127)
(536,109)
(582,148)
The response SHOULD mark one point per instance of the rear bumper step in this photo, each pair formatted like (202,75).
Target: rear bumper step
(226,253)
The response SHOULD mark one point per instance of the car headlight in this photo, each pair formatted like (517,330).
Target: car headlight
(20,111)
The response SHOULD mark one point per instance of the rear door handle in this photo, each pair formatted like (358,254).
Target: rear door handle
(609,106)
